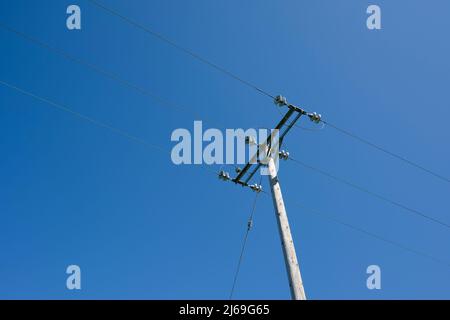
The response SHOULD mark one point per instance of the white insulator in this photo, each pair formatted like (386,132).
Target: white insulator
(315,117)
(225,176)
(256,187)
(280,101)
(284,155)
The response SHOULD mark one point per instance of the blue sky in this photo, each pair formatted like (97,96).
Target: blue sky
(142,228)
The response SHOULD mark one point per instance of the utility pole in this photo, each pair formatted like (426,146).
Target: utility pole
(290,257)
(270,151)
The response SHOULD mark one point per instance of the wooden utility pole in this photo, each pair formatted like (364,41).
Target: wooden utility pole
(290,256)
(270,148)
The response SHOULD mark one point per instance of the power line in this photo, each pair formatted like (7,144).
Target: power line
(376,236)
(140,140)
(247,83)
(83,117)
(390,153)
(110,75)
(223,70)
(244,242)
(145,143)
(376,195)
(163,102)
(172,105)
(181,48)
(93,121)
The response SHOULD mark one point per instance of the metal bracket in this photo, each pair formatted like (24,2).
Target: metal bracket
(289,119)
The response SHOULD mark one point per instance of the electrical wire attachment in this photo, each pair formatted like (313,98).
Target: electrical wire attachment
(280,101)
(284,155)
(225,176)
(315,117)
(249,224)
(256,187)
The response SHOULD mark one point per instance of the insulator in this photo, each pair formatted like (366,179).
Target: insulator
(284,155)
(315,117)
(225,176)
(256,187)
(280,101)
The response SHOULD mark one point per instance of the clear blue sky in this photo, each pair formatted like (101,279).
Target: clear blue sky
(141,227)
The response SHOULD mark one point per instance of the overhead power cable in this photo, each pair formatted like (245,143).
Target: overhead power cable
(153,146)
(384,150)
(144,142)
(247,83)
(110,75)
(93,121)
(179,47)
(82,116)
(371,193)
(161,101)
(375,236)
(244,242)
(166,103)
